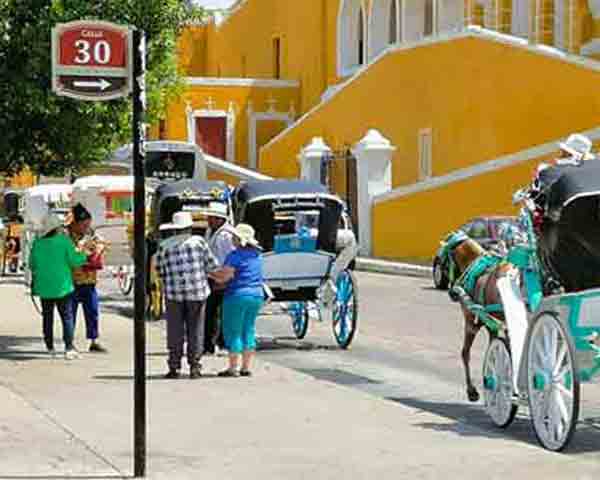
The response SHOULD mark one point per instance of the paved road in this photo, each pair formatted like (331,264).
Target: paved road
(407,351)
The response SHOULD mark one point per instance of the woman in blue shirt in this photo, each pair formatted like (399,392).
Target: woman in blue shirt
(243,299)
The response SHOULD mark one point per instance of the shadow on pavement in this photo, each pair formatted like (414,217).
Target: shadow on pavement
(184,376)
(21,348)
(267,344)
(65,477)
(472,421)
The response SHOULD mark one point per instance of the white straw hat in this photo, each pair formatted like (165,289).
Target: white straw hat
(579,146)
(245,234)
(216,209)
(181,221)
(50,222)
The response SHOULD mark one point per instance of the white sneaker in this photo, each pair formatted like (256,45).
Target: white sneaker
(71,355)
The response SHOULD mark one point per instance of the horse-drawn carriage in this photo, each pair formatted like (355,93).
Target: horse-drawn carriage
(11,230)
(192,196)
(309,249)
(545,323)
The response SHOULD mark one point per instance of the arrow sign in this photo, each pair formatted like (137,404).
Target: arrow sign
(101,84)
(92,60)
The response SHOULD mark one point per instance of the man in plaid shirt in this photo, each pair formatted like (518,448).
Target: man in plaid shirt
(183,262)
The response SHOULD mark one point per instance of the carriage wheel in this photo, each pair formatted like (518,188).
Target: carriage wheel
(345,309)
(125,281)
(299,313)
(498,383)
(553,382)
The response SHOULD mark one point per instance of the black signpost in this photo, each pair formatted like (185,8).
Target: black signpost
(139,104)
(98,61)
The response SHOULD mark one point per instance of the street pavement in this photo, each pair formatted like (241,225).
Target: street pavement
(393,406)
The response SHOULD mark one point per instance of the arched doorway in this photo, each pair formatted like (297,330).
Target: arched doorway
(384,25)
(351,37)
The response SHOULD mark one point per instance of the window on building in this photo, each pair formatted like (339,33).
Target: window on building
(351,37)
(393,29)
(520,18)
(425,154)
(361,37)
(277,57)
(429,18)
(162,129)
(560,13)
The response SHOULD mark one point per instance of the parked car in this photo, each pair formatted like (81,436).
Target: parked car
(490,232)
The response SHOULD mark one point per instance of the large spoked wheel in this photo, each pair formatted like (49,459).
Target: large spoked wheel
(125,281)
(345,309)
(553,382)
(299,313)
(498,383)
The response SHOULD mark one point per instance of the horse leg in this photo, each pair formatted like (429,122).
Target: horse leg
(471,329)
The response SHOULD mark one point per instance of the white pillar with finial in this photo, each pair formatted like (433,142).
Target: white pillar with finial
(374,177)
(310,159)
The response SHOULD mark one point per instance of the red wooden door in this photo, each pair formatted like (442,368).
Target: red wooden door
(211,135)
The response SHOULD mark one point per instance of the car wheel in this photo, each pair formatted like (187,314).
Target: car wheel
(440,276)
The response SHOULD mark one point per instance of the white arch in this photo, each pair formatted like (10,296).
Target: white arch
(381,25)
(349,48)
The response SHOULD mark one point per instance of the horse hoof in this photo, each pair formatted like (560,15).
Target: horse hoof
(473,395)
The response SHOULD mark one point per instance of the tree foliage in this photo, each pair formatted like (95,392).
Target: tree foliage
(51,134)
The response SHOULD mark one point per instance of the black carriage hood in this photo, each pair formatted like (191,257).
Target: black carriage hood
(565,183)
(254,189)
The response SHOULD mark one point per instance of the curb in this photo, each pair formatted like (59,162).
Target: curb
(392,268)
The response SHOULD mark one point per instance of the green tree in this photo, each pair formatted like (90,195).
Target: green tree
(54,135)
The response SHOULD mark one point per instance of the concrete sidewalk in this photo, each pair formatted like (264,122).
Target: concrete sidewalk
(61,418)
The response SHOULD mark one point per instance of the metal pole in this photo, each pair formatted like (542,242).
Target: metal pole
(139,449)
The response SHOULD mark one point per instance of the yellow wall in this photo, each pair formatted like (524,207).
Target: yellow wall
(482,99)
(176,123)
(411,227)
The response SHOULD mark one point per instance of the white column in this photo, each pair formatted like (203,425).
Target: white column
(374,175)
(310,159)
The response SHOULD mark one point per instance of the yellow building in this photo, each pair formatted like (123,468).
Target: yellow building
(471,93)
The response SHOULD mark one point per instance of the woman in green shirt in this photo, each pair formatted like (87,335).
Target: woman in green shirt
(52,259)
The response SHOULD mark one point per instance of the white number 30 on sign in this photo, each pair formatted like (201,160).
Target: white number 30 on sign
(101,52)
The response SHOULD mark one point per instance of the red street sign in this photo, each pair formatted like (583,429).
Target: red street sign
(92,60)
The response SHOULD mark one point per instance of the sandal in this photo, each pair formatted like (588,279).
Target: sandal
(245,373)
(228,373)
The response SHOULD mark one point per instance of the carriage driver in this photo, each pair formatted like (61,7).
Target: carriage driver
(576,149)
(219,236)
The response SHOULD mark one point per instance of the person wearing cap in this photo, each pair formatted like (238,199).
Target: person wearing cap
(183,263)
(52,258)
(220,240)
(85,277)
(243,298)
